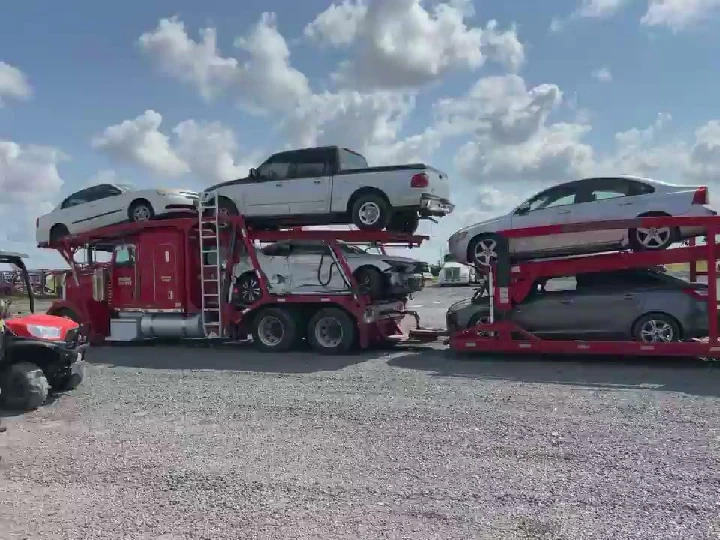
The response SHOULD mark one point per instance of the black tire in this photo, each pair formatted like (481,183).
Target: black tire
(249,289)
(667,328)
(404,223)
(23,387)
(371,212)
(332,331)
(140,211)
(642,239)
(280,335)
(68,380)
(58,232)
(370,281)
(483,257)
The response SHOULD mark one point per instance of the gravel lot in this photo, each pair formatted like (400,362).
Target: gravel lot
(224,443)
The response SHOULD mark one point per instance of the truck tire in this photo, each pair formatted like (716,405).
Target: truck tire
(371,212)
(332,331)
(370,281)
(404,222)
(274,330)
(23,387)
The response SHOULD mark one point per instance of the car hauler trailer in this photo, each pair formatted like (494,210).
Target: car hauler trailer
(173,278)
(510,284)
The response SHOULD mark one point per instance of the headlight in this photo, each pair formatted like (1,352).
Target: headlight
(44,332)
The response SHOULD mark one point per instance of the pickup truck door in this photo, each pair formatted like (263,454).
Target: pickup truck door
(266,197)
(309,186)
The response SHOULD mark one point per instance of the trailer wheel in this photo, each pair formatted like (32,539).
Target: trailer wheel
(23,386)
(332,331)
(274,330)
(656,328)
(370,280)
(371,212)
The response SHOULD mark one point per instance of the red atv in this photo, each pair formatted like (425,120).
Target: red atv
(38,353)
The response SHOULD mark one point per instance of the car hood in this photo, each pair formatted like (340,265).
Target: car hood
(495,224)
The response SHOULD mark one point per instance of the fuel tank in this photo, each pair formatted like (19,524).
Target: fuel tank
(166,325)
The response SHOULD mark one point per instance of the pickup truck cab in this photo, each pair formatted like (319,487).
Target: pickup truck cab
(332,185)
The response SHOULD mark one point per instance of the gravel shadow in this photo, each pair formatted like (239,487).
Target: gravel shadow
(689,376)
(237,357)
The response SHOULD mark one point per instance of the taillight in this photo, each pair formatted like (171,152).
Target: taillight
(700,294)
(701,196)
(420,180)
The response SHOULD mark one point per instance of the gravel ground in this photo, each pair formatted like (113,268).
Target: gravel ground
(224,443)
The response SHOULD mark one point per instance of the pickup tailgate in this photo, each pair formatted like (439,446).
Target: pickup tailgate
(439,184)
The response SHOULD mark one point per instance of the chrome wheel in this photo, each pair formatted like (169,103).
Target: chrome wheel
(369,213)
(657,331)
(141,213)
(271,331)
(250,290)
(485,253)
(329,332)
(653,238)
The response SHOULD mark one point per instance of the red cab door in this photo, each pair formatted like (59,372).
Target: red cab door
(124,283)
(166,292)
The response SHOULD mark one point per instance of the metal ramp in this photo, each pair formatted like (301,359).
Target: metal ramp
(211,266)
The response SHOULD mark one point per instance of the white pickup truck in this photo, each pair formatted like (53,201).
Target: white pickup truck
(332,185)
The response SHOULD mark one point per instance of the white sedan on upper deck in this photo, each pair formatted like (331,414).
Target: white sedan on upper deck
(590,199)
(110,204)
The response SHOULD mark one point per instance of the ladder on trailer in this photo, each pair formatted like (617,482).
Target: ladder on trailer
(211,266)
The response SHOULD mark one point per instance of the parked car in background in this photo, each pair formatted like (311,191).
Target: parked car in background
(640,304)
(332,185)
(591,199)
(109,204)
(308,266)
(453,273)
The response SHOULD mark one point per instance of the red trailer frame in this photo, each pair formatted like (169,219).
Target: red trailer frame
(373,324)
(505,336)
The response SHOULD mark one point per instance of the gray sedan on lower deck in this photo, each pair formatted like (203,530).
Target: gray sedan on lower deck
(641,304)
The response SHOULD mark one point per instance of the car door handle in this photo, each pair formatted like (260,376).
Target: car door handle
(566,301)
(629,296)
(278,185)
(626,203)
(317,182)
(563,211)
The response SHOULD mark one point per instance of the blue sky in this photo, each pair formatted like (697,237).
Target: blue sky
(537,97)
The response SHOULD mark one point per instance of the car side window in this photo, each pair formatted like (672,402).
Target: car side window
(351,161)
(274,170)
(309,164)
(552,198)
(76,198)
(599,189)
(125,256)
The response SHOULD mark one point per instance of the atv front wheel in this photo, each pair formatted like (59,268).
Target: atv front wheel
(23,386)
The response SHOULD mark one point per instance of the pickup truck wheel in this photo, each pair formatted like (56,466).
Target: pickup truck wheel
(331,331)
(371,212)
(404,223)
(274,330)
(370,281)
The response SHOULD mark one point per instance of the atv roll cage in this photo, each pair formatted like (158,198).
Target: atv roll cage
(16,259)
